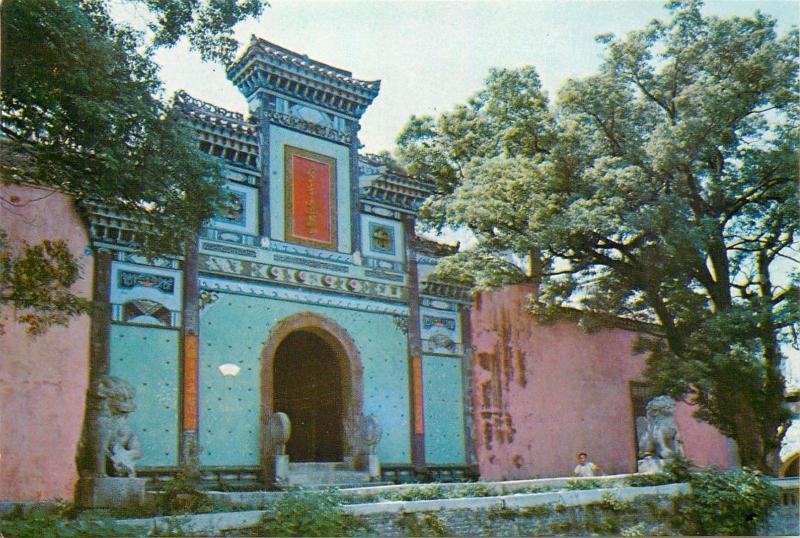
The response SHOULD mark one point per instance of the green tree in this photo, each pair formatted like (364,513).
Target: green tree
(662,189)
(82,113)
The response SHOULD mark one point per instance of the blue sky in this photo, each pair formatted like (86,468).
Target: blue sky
(432,55)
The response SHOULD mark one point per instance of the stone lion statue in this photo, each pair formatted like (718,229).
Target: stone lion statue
(119,448)
(659,440)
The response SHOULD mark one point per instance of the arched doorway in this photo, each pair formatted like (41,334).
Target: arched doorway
(309,353)
(307,385)
(791,466)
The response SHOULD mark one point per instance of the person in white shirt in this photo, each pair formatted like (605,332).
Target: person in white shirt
(585,467)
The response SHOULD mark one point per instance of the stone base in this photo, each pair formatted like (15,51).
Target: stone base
(109,492)
(650,464)
(373,467)
(282,468)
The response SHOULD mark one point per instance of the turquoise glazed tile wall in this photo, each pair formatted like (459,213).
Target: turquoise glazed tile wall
(148,358)
(444,412)
(234,329)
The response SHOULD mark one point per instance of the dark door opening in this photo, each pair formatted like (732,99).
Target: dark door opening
(307,386)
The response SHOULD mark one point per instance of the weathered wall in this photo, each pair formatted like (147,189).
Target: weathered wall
(43,379)
(542,393)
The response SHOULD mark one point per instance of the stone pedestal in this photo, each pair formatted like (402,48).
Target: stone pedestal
(650,464)
(109,492)
(282,468)
(374,467)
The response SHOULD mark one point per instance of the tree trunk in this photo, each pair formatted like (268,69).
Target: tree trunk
(748,436)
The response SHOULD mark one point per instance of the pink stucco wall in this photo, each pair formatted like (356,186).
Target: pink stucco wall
(543,393)
(42,379)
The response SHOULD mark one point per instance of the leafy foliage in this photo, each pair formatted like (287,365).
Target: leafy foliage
(310,513)
(182,495)
(35,279)
(678,469)
(208,24)
(82,113)
(426,492)
(584,484)
(725,503)
(57,522)
(662,189)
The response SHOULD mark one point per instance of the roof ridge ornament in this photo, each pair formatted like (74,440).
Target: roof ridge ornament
(265,66)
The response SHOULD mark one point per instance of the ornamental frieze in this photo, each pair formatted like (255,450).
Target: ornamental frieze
(299,124)
(306,297)
(132,279)
(302,278)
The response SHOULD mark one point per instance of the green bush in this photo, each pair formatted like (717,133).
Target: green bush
(676,470)
(55,522)
(732,502)
(182,496)
(310,513)
(427,492)
(470,490)
(584,484)
(679,468)
(649,479)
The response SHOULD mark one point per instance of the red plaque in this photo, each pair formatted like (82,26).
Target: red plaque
(190,382)
(310,198)
(417,395)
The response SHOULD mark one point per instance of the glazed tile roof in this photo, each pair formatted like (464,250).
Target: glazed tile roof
(265,65)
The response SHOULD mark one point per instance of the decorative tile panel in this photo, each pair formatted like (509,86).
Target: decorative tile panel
(440,333)
(140,282)
(381,239)
(131,279)
(239,210)
(302,278)
(284,293)
(233,208)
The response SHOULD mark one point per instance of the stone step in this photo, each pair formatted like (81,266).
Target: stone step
(333,473)
(331,478)
(318,467)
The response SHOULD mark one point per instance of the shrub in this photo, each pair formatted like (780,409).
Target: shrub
(427,492)
(58,521)
(182,495)
(676,470)
(310,513)
(470,490)
(584,484)
(732,502)
(679,468)
(654,479)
